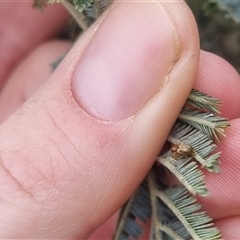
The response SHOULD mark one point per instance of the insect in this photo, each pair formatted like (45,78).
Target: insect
(181,151)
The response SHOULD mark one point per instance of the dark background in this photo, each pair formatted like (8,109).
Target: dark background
(219,27)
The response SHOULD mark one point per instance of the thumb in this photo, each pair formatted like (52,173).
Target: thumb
(75,152)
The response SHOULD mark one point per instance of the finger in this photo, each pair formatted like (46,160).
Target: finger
(106,230)
(29,76)
(84,141)
(212,69)
(229,227)
(224,187)
(219,79)
(25,28)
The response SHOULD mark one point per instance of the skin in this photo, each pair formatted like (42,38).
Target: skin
(60,164)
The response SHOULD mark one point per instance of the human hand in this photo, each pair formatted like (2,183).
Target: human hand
(65,166)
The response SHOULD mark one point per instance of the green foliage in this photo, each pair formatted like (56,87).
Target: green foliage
(231,9)
(186,209)
(91,8)
(209,123)
(135,211)
(175,213)
(201,143)
(200,100)
(96,9)
(187,172)
(80,5)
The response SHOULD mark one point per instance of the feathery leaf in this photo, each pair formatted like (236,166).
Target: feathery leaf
(202,145)
(80,5)
(185,207)
(201,100)
(57,1)
(96,9)
(162,217)
(208,123)
(187,172)
(137,207)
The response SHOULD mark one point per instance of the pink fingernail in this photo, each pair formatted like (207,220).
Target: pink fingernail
(126,62)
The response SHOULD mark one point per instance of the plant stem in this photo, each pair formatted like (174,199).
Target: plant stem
(78,16)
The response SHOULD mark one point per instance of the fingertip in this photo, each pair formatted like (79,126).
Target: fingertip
(23,29)
(219,79)
(30,75)
(229,227)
